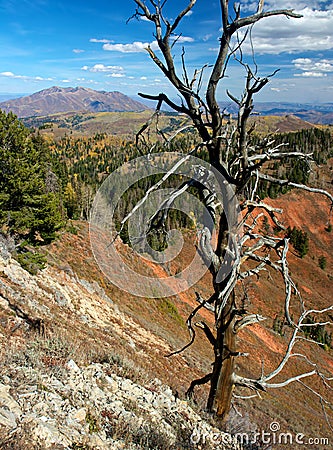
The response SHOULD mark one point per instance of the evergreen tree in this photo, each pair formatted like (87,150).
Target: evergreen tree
(30,198)
(299,239)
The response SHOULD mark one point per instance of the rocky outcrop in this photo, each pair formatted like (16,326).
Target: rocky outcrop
(92,408)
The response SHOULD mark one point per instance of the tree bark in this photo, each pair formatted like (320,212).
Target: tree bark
(221,388)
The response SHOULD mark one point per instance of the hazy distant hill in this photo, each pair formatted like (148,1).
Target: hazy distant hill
(314,113)
(58,99)
(279,123)
(5,96)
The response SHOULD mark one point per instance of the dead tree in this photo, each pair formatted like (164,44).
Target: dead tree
(241,163)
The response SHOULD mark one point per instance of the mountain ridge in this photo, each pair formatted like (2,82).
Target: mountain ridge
(66,99)
(81,99)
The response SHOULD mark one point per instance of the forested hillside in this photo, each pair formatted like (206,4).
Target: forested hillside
(83,163)
(44,182)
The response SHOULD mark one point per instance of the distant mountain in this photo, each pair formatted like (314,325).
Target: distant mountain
(279,123)
(314,113)
(4,96)
(58,100)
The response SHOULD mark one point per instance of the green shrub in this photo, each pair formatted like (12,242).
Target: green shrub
(72,229)
(166,306)
(322,262)
(92,423)
(299,239)
(317,333)
(32,261)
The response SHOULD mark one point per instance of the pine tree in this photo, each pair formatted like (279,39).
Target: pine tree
(30,198)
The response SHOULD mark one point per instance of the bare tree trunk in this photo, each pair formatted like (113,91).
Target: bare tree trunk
(225,347)
(220,395)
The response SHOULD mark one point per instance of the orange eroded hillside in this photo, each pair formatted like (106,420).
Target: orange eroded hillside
(144,330)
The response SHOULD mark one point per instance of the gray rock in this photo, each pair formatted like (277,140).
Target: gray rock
(7,418)
(8,402)
(60,298)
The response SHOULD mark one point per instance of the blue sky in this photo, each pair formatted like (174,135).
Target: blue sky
(74,43)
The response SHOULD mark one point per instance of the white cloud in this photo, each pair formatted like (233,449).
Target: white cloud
(24,77)
(43,79)
(311,74)
(134,47)
(77,50)
(102,41)
(10,74)
(181,39)
(140,47)
(102,68)
(301,62)
(116,75)
(143,78)
(298,4)
(207,37)
(249,5)
(309,65)
(311,68)
(278,34)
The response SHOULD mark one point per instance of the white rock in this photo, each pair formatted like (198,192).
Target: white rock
(112,384)
(7,401)
(80,414)
(7,418)
(71,365)
(49,434)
